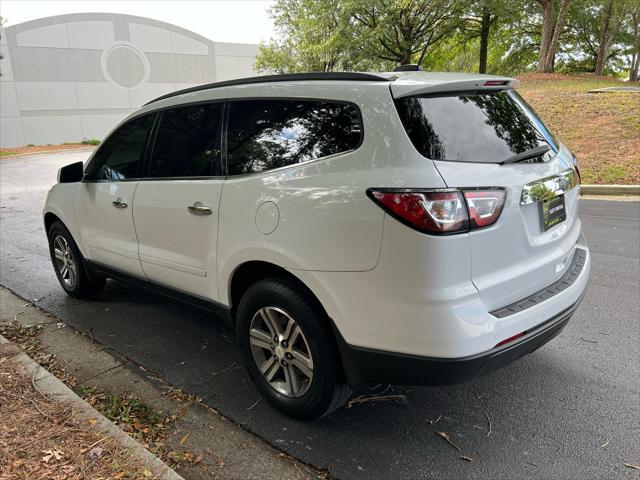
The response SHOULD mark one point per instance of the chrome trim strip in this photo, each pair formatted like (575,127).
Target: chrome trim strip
(550,187)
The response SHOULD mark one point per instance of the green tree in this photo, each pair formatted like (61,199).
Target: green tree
(355,34)
(312,37)
(633,32)
(553,15)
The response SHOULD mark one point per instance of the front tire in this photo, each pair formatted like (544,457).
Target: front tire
(289,349)
(69,264)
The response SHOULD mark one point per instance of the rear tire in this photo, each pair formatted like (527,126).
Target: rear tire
(289,349)
(69,265)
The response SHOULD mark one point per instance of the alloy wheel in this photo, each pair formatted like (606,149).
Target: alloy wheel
(281,351)
(65,263)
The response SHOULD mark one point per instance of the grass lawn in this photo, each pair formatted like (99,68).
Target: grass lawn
(602,129)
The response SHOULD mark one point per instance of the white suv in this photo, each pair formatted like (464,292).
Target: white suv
(409,227)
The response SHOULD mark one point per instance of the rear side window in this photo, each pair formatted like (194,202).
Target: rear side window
(119,156)
(187,142)
(267,134)
(476,127)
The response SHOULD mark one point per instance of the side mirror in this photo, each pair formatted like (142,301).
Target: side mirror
(71,173)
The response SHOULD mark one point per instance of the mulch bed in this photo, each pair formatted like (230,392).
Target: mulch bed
(42,438)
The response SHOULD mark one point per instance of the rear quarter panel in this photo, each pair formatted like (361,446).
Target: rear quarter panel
(326,221)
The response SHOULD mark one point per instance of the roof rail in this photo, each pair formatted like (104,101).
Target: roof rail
(285,77)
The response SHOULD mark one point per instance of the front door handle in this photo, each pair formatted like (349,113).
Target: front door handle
(199,209)
(119,203)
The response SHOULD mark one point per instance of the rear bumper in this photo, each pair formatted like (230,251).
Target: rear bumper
(365,366)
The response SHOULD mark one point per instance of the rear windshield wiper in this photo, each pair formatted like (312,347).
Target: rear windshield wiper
(527,154)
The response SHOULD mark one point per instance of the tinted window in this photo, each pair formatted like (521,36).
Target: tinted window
(485,128)
(188,142)
(266,134)
(119,156)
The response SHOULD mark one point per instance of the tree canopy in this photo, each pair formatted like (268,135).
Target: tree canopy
(492,36)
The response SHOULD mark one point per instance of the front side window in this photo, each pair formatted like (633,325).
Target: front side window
(187,143)
(476,127)
(119,156)
(267,134)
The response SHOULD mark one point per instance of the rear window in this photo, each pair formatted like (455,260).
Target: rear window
(473,127)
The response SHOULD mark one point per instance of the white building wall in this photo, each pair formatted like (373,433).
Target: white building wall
(73,77)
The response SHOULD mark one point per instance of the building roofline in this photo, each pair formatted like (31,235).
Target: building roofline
(285,77)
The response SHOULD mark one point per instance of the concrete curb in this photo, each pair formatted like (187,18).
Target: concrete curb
(48,152)
(610,189)
(50,385)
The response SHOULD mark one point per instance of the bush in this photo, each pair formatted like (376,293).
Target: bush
(92,141)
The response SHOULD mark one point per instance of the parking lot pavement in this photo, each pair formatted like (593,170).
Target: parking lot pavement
(570,410)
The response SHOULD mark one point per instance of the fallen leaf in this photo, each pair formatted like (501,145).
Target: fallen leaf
(147,473)
(635,467)
(445,435)
(467,458)
(49,454)
(95,453)
(183,440)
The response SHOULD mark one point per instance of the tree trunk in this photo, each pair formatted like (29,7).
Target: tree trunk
(484,39)
(547,31)
(635,67)
(605,38)
(635,57)
(555,39)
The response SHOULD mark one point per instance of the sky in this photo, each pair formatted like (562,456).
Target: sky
(243,21)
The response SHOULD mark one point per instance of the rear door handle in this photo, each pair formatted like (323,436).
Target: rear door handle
(119,203)
(199,209)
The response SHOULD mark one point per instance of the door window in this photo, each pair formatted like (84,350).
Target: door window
(119,156)
(187,142)
(268,134)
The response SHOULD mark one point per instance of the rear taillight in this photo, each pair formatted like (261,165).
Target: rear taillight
(485,206)
(441,211)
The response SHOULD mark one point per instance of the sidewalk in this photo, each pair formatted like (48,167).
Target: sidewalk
(200,442)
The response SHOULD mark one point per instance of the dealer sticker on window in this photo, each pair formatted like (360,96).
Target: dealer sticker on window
(553,212)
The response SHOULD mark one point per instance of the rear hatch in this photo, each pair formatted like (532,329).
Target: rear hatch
(468,133)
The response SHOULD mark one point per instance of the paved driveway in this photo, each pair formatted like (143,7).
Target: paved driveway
(570,410)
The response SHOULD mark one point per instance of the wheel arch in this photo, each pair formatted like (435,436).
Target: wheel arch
(49,219)
(249,272)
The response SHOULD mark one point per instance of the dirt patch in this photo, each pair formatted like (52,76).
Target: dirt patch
(28,149)
(602,130)
(43,438)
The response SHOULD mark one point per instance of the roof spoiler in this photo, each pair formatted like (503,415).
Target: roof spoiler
(408,86)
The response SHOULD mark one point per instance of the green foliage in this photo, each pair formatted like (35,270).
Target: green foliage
(583,32)
(91,141)
(370,35)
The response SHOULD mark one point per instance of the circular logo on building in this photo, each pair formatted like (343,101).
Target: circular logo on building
(125,65)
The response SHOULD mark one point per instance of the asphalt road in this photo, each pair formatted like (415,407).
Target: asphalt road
(570,410)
